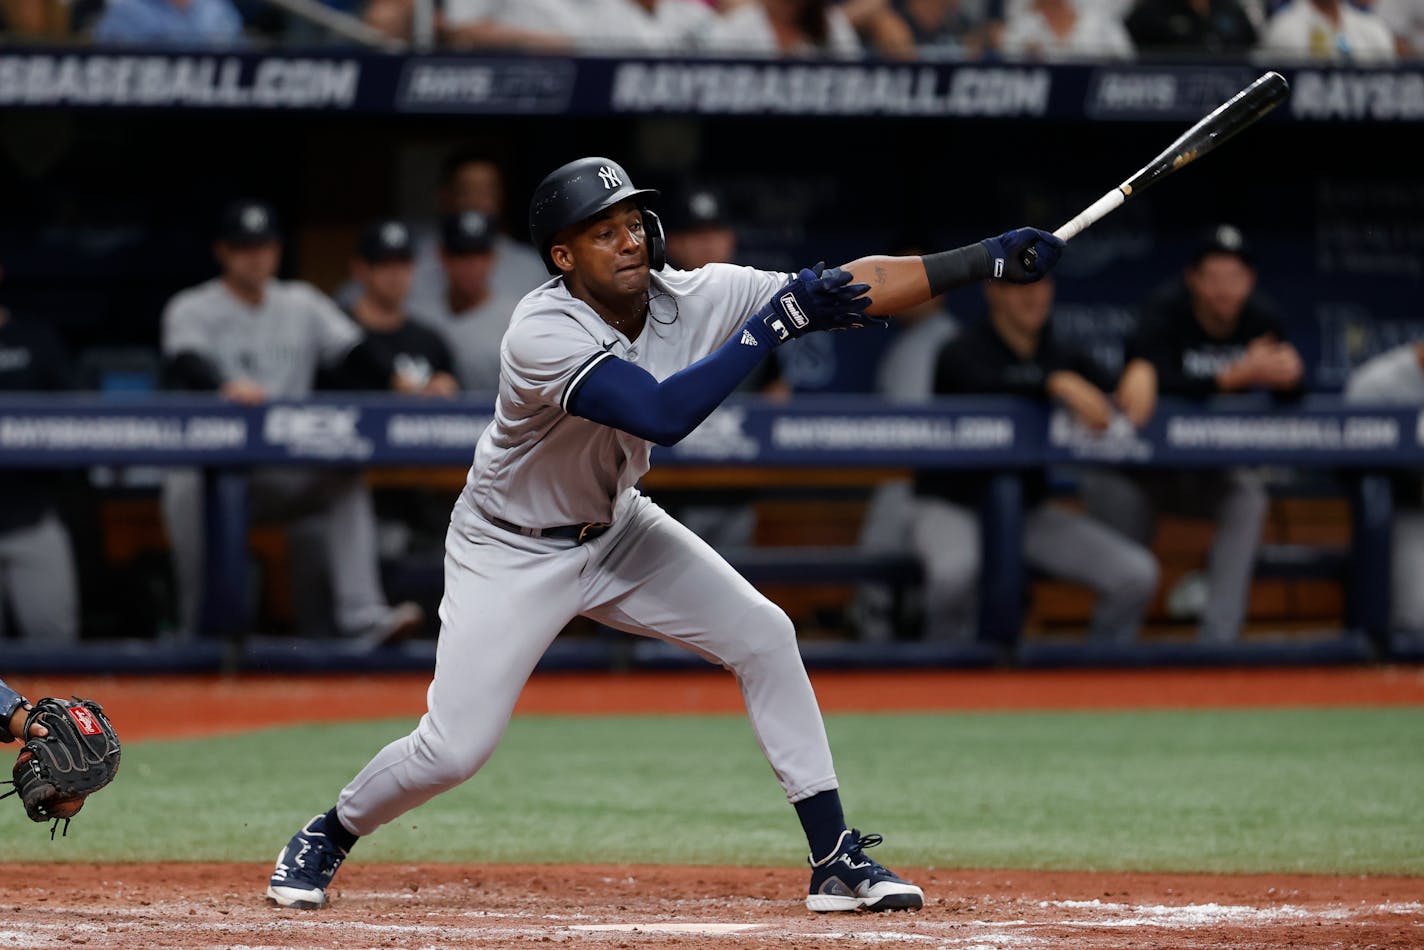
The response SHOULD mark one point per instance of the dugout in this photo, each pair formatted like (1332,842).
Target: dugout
(110,204)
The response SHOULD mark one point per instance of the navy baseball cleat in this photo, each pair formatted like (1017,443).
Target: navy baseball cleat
(848,880)
(305,868)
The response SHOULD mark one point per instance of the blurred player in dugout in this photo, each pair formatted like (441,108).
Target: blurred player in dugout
(471,180)
(700,232)
(251,338)
(1205,334)
(1013,353)
(471,313)
(39,590)
(420,364)
(1396,377)
(418,357)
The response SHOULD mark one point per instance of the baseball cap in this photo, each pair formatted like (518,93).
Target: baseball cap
(468,232)
(1224,239)
(694,208)
(248,223)
(385,240)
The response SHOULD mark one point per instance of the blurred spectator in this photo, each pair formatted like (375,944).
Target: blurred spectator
(251,338)
(38,587)
(881,27)
(1331,30)
(1405,18)
(785,28)
(471,180)
(1191,28)
(1013,353)
(1057,30)
(34,19)
(535,26)
(1397,377)
(172,22)
(403,355)
(905,374)
(471,315)
(948,29)
(1205,334)
(591,26)
(392,18)
(642,26)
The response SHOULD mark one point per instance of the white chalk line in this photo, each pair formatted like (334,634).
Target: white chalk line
(708,929)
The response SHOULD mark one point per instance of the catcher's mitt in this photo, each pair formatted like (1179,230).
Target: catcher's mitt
(79,756)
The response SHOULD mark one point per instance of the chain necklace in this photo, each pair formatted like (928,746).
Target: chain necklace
(619,323)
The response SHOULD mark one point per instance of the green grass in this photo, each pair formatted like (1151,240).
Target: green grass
(1279,790)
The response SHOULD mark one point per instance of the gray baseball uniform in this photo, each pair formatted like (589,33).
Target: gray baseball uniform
(474,336)
(278,345)
(509,590)
(1396,377)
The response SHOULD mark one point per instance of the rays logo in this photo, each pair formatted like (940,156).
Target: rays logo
(610,177)
(793,311)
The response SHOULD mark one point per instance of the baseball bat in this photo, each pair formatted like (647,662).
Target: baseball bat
(1220,125)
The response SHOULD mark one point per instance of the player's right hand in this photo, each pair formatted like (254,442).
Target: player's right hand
(815,299)
(243,391)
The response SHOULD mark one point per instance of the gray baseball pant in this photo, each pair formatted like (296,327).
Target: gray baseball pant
(1235,499)
(1407,577)
(37,578)
(508,595)
(1059,542)
(284,494)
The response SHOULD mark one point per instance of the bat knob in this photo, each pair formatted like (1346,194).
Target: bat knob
(1029,259)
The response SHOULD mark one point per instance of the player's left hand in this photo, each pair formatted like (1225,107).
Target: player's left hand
(817,298)
(1009,260)
(71,751)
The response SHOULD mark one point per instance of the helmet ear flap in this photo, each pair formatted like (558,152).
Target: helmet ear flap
(657,240)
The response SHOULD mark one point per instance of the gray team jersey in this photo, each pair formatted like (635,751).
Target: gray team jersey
(278,345)
(907,367)
(536,465)
(474,337)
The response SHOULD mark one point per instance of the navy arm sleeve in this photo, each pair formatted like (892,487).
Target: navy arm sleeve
(620,395)
(9,702)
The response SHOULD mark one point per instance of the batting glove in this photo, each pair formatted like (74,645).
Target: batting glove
(815,299)
(1023,255)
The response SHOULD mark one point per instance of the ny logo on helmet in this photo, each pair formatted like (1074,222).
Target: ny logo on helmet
(610,177)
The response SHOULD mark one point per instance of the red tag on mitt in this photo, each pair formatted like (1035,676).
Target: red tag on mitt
(85,720)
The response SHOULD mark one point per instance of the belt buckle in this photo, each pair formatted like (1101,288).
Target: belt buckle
(597,527)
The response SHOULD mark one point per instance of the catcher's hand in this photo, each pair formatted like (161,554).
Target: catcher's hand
(77,756)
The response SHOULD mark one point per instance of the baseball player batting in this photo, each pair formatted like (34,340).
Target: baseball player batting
(614,353)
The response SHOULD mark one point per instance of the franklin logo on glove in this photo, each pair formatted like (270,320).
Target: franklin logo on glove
(793,312)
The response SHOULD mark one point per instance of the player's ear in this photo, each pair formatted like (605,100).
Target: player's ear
(563,257)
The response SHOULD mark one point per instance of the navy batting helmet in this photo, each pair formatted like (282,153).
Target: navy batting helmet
(581,189)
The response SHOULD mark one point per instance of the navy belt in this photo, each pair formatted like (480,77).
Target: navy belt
(579,533)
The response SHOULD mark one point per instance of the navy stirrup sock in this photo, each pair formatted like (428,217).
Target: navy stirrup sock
(336,832)
(823,821)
